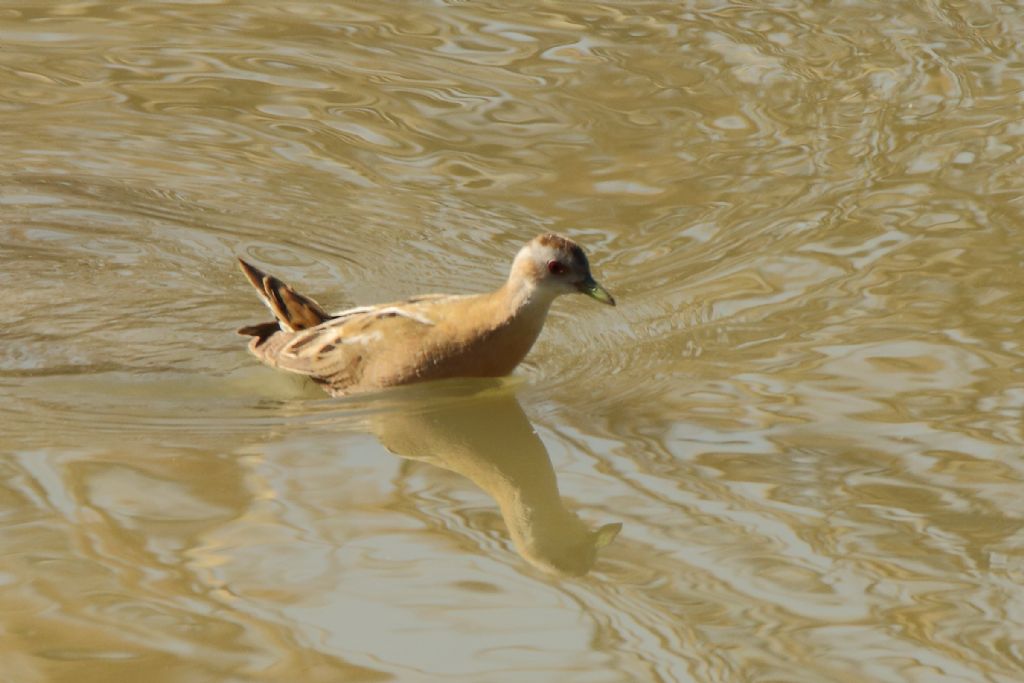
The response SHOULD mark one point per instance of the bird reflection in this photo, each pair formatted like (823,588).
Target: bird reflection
(479,431)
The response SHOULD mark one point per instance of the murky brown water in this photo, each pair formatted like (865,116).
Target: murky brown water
(806,411)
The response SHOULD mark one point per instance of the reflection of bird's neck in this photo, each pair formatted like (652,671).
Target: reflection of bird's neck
(520,479)
(543,530)
(491,442)
(538,521)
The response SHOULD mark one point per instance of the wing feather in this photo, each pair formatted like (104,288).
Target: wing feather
(337,350)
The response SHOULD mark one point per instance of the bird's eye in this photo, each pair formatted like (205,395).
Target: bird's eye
(557,268)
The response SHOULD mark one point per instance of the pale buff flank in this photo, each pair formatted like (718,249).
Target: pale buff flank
(427,337)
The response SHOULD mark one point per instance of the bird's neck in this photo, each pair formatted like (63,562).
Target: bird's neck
(522,302)
(521,295)
(514,315)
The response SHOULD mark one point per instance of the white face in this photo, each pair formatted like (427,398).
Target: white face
(560,269)
(555,265)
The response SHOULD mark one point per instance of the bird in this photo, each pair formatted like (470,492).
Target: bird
(427,337)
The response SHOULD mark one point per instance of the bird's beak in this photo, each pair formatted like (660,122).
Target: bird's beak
(590,287)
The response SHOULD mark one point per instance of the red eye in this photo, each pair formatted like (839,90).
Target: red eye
(557,268)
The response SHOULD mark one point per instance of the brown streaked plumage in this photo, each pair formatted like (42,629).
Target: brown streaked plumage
(427,337)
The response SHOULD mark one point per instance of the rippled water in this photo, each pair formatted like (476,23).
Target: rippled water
(806,411)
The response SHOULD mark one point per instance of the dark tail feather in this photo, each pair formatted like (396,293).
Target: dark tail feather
(262,331)
(295,311)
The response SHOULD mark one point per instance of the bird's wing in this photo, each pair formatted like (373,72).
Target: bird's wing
(337,350)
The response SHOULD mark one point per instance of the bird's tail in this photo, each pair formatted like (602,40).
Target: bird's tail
(292,310)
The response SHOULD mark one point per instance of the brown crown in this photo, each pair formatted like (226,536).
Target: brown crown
(561,244)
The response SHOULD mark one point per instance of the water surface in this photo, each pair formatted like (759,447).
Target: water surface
(806,410)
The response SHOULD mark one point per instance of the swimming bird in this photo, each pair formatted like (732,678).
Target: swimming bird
(427,337)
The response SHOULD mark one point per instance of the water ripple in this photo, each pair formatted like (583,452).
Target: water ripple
(805,409)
